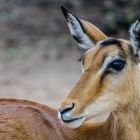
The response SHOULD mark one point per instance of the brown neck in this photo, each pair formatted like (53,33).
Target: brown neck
(124,124)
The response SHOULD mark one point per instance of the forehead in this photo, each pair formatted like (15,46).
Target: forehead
(111,46)
(110,41)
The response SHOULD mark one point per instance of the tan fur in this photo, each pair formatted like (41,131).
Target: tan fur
(26,120)
(123,122)
(93,32)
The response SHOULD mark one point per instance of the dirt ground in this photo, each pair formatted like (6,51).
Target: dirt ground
(43,74)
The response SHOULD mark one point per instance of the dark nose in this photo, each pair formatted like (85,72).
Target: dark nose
(62,113)
(66,109)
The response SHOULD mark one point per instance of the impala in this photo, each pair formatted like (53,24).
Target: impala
(104,105)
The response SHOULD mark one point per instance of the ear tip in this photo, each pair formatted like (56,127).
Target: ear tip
(63,8)
(64,11)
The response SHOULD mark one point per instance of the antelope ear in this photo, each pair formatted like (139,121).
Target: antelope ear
(85,33)
(135,39)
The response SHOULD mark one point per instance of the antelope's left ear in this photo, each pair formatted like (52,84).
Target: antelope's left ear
(135,39)
(85,33)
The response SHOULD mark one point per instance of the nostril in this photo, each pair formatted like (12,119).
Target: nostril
(67,109)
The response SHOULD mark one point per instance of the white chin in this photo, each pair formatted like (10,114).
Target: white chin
(75,123)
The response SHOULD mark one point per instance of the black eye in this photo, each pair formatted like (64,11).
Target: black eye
(117,65)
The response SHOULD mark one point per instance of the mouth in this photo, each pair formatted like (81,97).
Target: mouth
(70,121)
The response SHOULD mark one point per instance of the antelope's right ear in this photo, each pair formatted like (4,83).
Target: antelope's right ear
(135,39)
(85,33)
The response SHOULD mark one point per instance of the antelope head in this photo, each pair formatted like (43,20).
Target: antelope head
(110,67)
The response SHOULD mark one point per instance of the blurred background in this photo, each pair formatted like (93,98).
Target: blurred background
(38,57)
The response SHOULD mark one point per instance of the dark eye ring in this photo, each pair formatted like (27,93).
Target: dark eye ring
(117,65)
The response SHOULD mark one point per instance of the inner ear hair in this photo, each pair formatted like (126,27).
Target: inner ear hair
(135,39)
(77,30)
(85,33)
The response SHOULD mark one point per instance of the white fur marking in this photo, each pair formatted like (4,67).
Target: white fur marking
(101,118)
(135,28)
(76,30)
(82,68)
(102,106)
(105,64)
(73,124)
